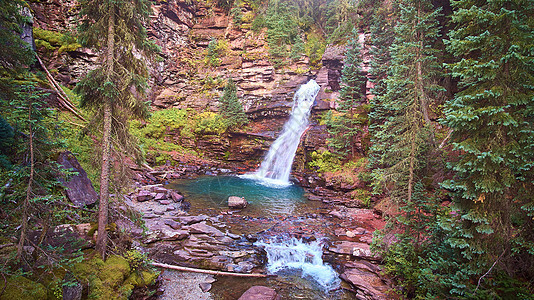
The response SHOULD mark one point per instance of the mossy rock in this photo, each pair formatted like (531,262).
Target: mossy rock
(142,279)
(21,288)
(106,280)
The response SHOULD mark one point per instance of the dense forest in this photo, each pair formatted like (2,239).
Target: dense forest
(434,115)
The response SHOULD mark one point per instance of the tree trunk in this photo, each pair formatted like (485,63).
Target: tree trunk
(101,242)
(412,170)
(24,225)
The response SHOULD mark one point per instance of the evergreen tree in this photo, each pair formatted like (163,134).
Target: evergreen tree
(230,108)
(406,132)
(118,27)
(282,30)
(492,117)
(402,141)
(346,127)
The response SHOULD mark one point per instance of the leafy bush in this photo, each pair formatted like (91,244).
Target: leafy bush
(324,161)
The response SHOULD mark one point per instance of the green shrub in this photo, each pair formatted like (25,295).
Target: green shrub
(324,161)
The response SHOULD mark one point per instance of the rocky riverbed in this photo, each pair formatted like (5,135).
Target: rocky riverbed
(223,239)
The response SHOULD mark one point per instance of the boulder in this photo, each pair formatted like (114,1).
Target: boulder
(175,196)
(237,202)
(79,188)
(259,292)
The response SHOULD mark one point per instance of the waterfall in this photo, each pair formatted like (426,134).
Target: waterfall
(276,165)
(293,254)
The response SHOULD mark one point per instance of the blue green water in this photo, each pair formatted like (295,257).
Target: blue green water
(213,192)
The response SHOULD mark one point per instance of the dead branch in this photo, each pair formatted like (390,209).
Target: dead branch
(445,139)
(480,279)
(194,270)
(63,98)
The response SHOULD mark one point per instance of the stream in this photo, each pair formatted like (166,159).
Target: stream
(307,244)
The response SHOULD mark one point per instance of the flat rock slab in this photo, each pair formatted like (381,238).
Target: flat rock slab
(259,292)
(203,228)
(357,249)
(175,196)
(366,283)
(187,220)
(143,196)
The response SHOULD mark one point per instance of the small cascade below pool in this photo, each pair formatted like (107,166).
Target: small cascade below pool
(289,256)
(276,165)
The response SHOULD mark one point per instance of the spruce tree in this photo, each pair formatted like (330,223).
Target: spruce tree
(346,126)
(382,36)
(117,26)
(230,108)
(406,132)
(402,140)
(492,118)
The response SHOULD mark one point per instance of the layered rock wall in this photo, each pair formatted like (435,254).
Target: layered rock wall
(184,79)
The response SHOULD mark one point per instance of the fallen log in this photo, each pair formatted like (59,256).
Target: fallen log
(64,100)
(211,272)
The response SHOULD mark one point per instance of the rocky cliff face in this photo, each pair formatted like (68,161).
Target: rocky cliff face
(185,79)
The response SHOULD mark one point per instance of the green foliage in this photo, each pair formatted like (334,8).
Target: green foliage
(82,145)
(216,49)
(6,143)
(230,109)
(16,55)
(400,143)
(282,30)
(154,135)
(52,40)
(324,161)
(340,17)
(237,16)
(22,288)
(315,47)
(114,90)
(345,128)
(491,118)
(113,279)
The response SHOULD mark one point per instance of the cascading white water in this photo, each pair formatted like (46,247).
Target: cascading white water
(294,254)
(276,165)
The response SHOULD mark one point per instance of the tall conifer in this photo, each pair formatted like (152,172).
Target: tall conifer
(407,129)
(492,117)
(117,27)
(230,108)
(346,126)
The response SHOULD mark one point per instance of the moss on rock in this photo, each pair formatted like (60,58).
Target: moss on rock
(112,279)
(21,288)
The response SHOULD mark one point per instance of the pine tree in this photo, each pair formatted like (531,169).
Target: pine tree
(406,132)
(492,117)
(346,127)
(230,108)
(118,26)
(382,36)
